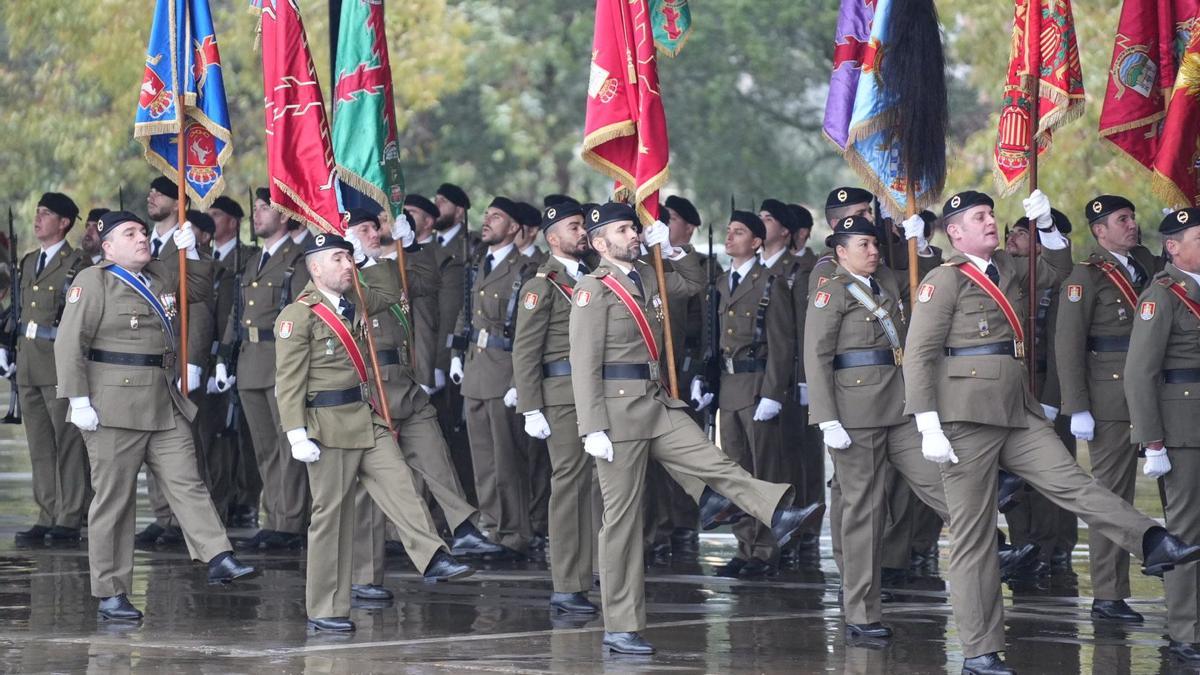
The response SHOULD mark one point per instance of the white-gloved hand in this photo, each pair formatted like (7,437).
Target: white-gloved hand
(835,435)
(700,398)
(1157,463)
(303,448)
(211,386)
(224,380)
(82,414)
(1037,209)
(1050,412)
(1083,425)
(510,398)
(914,228)
(429,391)
(935,447)
(456,370)
(402,231)
(659,234)
(439,379)
(767,410)
(536,425)
(597,445)
(193,375)
(803,389)
(185,238)
(7,367)
(359,254)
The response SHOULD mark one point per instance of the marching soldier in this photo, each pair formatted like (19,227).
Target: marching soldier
(427,338)
(1161,374)
(965,381)
(56,452)
(626,417)
(542,373)
(116,362)
(328,409)
(271,280)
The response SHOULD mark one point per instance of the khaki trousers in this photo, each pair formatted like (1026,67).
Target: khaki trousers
(501,470)
(116,455)
(285,493)
(1037,520)
(573,503)
(1035,453)
(215,450)
(1114,465)
(756,447)
(57,457)
(1183,519)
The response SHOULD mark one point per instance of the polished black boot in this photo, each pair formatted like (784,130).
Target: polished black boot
(34,534)
(118,608)
(224,568)
(986,664)
(717,510)
(1115,610)
(874,630)
(1163,551)
(444,567)
(331,624)
(369,592)
(628,643)
(791,520)
(1008,496)
(469,542)
(572,603)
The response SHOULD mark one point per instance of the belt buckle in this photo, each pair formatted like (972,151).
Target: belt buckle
(1018,349)
(252,333)
(653,370)
(482,340)
(898,354)
(364,390)
(168,360)
(31,330)
(729,365)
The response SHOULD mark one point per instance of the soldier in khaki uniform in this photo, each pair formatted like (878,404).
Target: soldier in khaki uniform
(536,451)
(115,356)
(272,279)
(542,373)
(626,416)
(1095,318)
(483,364)
(56,452)
(428,342)
(1162,380)
(327,406)
(965,381)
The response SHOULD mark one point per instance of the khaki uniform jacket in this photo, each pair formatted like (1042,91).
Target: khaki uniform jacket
(837,323)
(224,282)
(309,358)
(200,311)
(451,263)
(603,331)
(423,270)
(107,314)
(43,297)
(543,322)
(1166,335)
(952,311)
(488,373)
(739,322)
(404,394)
(689,323)
(1089,305)
(263,296)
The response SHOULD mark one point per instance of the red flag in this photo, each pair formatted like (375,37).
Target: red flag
(625,135)
(1176,177)
(303,180)
(1044,51)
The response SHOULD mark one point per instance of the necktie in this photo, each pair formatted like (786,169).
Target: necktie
(487,265)
(263,261)
(993,273)
(583,270)
(216,254)
(346,309)
(157,248)
(41,264)
(441,240)
(637,281)
(1137,272)
(734,280)
(874,286)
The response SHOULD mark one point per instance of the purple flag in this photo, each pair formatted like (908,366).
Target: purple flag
(852,48)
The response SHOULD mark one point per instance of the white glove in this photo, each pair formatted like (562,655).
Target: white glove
(185,238)
(429,391)
(1157,463)
(803,387)
(510,398)
(193,375)
(7,367)
(700,398)
(1083,426)
(303,449)
(439,379)
(82,414)
(224,381)
(402,231)
(657,234)
(1037,209)
(597,445)
(914,228)
(211,386)
(767,410)
(835,435)
(536,425)
(456,371)
(935,447)
(1050,412)
(360,255)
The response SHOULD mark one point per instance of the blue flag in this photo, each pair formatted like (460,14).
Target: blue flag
(183,87)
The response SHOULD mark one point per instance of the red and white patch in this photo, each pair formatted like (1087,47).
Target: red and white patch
(1074,292)
(820,299)
(74,294)
(925,293)
(1147,311)
(582,298)
(285,329)
(531,300)
(821,281)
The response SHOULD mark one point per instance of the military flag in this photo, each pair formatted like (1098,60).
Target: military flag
(672,21)
(625,132)
(1044,58)
(852,49)
(183,88)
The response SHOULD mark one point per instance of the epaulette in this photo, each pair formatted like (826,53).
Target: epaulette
(599,274)
(309,299)
(1165,281)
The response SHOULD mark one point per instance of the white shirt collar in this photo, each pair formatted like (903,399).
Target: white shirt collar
(53,250)
(978,262)
(162,239)
(571,265)
(530,251)
(865,280)
(770,262)
(225,249)
(426,240)
(620,266)
(275,247)
(499,256)
(300,235)
(1195,277)
(743,270)
(334,298)
(448,235)
(97,258)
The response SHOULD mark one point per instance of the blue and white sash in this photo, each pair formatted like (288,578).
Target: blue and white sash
(136,284)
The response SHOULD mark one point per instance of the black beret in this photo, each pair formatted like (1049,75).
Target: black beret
(603,214)
(60,204)
(361,216)
(528,215)
(780,212)
(844,196)
(1104,205)
(1060,220)
(422,203)
(325,242)
(95,213)
(201,221)
(455,194)
(560,211)
(804,219)
(110,221)
(165,186)
(228,205)
(1179,221)
(965,200)
(506,205)
(263,194)
(551,200)
(685,209)
(751,221)
(851,225)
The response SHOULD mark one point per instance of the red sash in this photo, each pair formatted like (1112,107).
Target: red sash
(1118,279)
(639,317)
(982,281)
(339,329)
(1180,292)
(566,290)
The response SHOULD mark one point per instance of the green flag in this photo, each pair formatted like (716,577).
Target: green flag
(672,20)
(365,143)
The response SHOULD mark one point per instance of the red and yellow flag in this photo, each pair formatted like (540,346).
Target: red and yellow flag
(625,134)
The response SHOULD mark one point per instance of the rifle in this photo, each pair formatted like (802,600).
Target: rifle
(462,341)
(13,320)
(712,354)
(233,414)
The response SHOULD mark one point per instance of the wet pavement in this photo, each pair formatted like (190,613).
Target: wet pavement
(497,621)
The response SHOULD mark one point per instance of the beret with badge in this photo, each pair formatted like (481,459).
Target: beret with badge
(612,212)
(326,242)
(1180,220)
(94,214)
(1105,205)
(851,225)
(358,216)
(559,212)
(109,222)
(845,196)
(964,201)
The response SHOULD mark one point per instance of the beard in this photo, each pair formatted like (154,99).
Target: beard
(443,222)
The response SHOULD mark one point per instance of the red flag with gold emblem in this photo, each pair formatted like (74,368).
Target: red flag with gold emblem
(625,134)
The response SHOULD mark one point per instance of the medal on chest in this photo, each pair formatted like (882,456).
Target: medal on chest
(133,321)
(329,346)
(658,313)
(1122,315)
(984,329)
(168,303)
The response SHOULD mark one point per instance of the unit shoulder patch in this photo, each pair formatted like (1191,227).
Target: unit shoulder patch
(285,329)
(925,293)
(1074,292)
(531,300)
(821,299)
(1147,310)
(74,294)
(582,298)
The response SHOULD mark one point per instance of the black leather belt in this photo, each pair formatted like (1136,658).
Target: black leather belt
(556,369)
(256,334)
(995,348)
(878,357)
(1181,375)
(628,371)
(492,342)
(745,366)
(126,359)
(1112,343)
(41,332)
(326,399)
(388,357)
